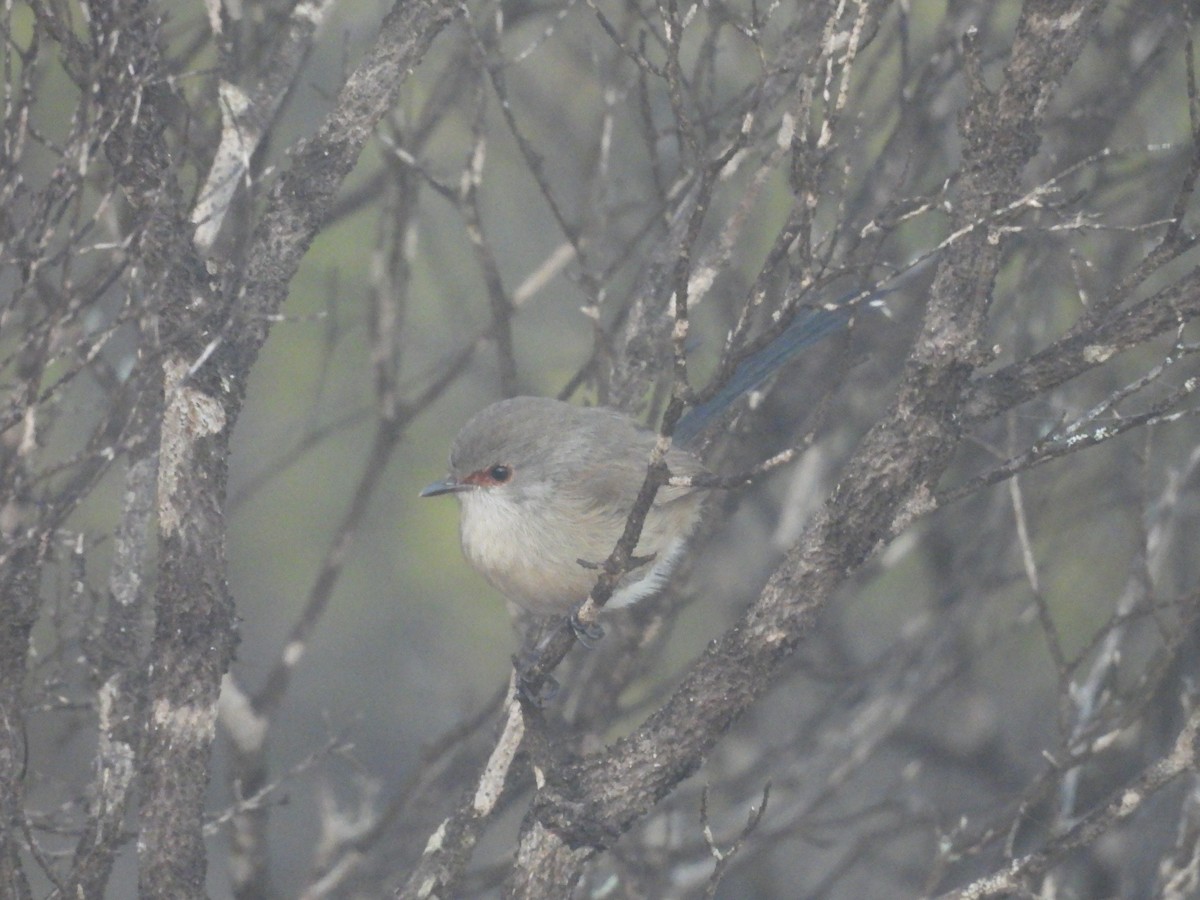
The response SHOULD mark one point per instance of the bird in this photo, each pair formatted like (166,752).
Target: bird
(545,487)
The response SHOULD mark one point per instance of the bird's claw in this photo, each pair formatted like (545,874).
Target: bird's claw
(588,634)
(537,696)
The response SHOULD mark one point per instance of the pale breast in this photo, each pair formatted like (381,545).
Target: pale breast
(534,560)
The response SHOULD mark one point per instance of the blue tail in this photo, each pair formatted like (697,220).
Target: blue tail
(807,328)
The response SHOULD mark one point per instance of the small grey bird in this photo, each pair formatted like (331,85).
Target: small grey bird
(545,488)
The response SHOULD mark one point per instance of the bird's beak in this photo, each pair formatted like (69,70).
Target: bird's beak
(447,485)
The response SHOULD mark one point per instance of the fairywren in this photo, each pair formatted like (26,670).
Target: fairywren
(545,487)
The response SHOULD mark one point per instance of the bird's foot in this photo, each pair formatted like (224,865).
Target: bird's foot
(588,634)
(536,692)
(635,562)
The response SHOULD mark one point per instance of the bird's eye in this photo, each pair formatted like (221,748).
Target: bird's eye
(500,474)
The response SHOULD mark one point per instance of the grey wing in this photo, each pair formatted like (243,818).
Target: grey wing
(613,480)
(612,486)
